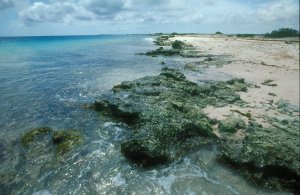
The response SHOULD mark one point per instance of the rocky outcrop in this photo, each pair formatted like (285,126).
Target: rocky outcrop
(267,156)
(165,115)
(163,112)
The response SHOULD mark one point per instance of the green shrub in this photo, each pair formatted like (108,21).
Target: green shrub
(218,33)
(283,32)
(245,35)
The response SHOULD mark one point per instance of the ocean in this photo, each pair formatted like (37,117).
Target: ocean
(48,81)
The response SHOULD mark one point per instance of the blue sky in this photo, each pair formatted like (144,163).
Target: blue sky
(76,17)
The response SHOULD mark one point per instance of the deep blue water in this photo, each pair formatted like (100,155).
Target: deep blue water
(46,81)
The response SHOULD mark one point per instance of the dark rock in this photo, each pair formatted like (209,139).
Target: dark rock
(123,85)
(165,52)
(66,140)
(170,73)
(124,112)
(178,44)
(164,111)
(208,59)
(145,152)
(271,153)
(34,134)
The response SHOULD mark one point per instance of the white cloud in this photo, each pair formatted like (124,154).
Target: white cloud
(65,11)
(284,10)
(173,12)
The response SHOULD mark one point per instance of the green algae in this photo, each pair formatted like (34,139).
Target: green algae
(165,115)
(66,140)
(178,44)
(34,134)
(238,84)
(231,124)
(268,156)
(269,82)
(165,109)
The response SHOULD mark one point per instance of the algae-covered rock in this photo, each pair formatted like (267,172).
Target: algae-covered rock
(145,152)
(165,110)
(269,82)
(231,124)
(66,140)
(198,128)
(165,52)
(238,84)
(267,154)
(178,44)
(285,106)
(34,134)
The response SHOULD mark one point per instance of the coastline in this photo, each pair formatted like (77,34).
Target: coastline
(256,131)
(183,117)
(255,60)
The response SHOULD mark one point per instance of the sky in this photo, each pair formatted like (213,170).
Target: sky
(88,17)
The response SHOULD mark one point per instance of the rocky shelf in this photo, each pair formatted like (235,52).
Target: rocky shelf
(165,116)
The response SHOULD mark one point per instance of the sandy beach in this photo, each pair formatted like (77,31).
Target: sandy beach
(256,60)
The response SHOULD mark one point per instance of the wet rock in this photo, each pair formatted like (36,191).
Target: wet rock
(144,152)
(231,124)
(166,110)
(178,44)
(170,73)
(66,140)
(268,156)
(124,112)
(163,40)
(123,85)
(34,134)
(165,52)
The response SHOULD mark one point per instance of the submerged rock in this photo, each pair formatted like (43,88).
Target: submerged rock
(164,111)
(34,134)
(66,140)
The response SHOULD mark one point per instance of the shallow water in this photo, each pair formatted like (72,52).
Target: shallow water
(45,81)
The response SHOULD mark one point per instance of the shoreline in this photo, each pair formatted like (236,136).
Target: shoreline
(169,115)
(256,61)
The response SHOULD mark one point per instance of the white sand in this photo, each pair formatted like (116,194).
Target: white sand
(256,61)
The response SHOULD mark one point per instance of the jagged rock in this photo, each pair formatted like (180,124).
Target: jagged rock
(166,111)
(144,152)
(268,156)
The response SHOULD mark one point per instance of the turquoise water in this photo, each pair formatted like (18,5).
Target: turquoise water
(46,81)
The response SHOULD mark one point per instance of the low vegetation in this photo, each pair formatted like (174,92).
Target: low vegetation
(283,32)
